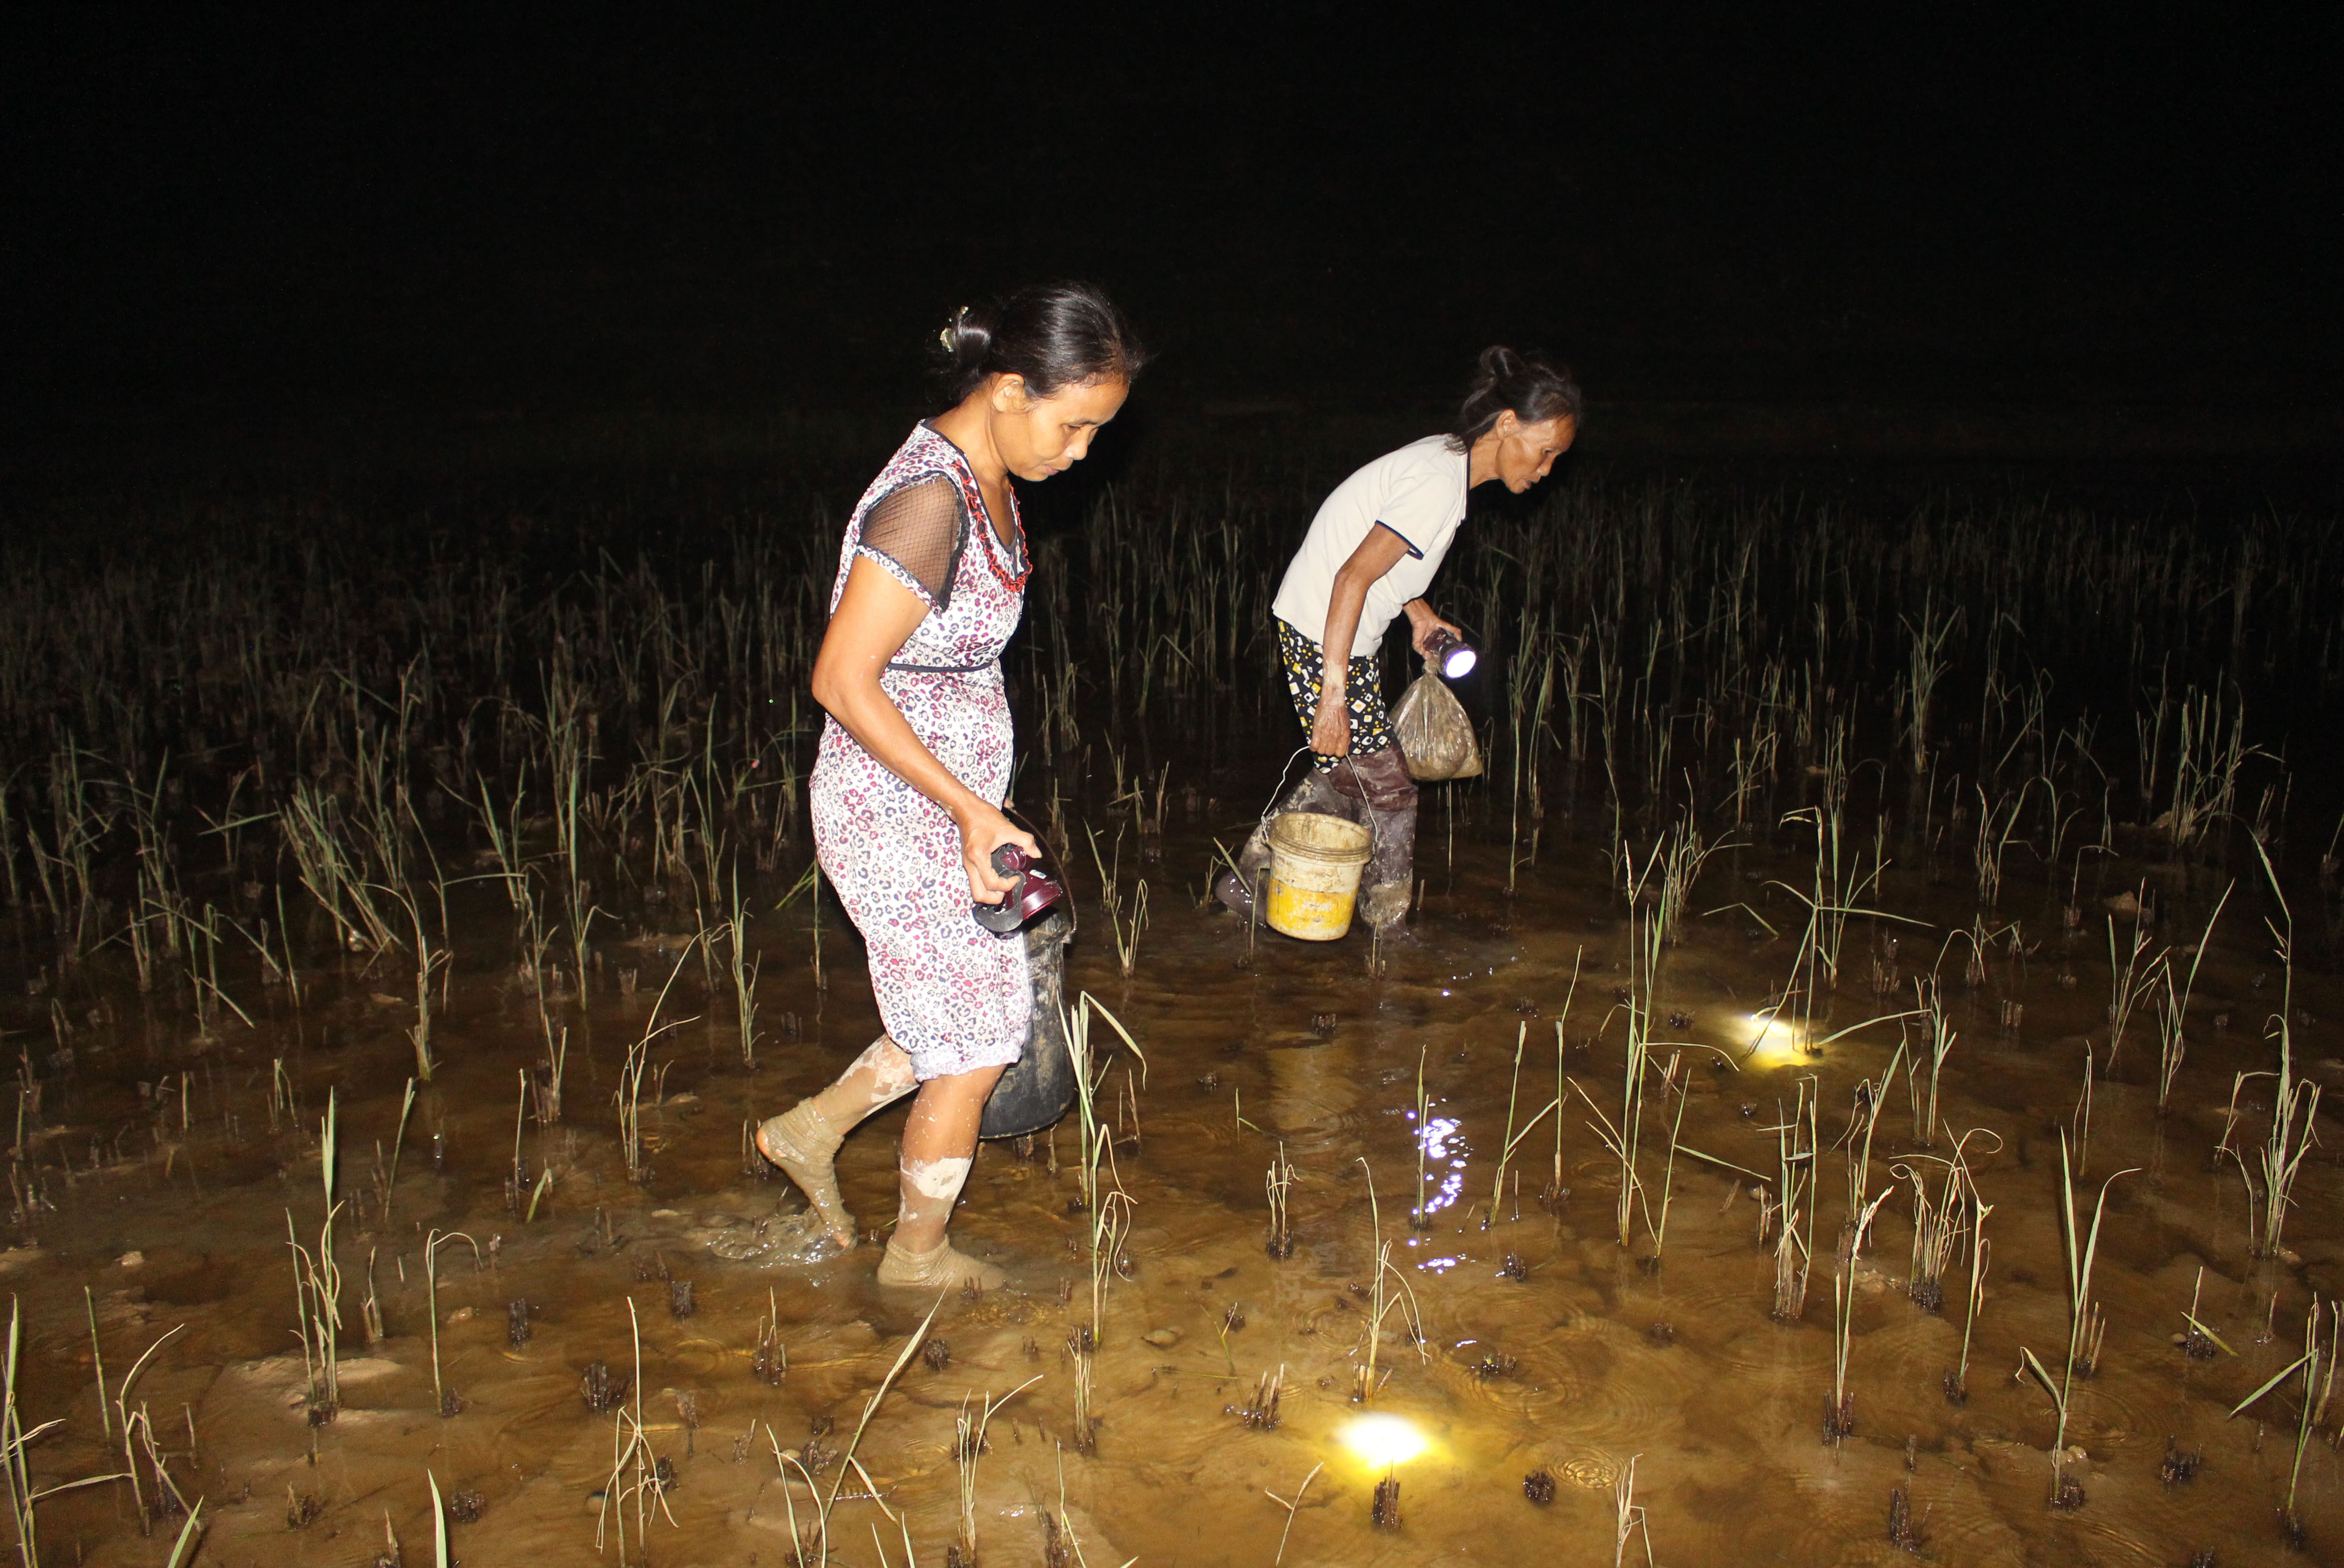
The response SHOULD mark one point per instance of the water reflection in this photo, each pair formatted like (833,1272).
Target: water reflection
(1383,1439)
(1771,1041)
(1441,1144)
(1314,1091)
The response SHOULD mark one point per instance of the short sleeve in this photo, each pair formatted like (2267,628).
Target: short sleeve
(1403,537)
(919,531)
(1424,505)
(1416,509)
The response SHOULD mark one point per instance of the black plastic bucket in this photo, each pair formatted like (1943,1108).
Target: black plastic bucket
(1039,1085)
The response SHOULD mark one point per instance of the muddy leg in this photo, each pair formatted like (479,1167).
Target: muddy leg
(939,1142)
(1379,780)
(804,1141)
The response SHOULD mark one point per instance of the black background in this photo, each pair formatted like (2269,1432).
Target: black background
(227,221)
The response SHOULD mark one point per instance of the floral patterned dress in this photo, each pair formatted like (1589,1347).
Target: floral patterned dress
(952,994)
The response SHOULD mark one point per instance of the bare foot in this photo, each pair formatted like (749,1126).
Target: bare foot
(802,1143)
(937,1269)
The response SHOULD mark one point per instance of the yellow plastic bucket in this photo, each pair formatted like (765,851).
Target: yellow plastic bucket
(1314,874)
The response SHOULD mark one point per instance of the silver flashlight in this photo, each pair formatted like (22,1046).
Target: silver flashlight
(1450,655)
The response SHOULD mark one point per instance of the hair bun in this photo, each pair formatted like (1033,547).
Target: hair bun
(1533,387)
(1050,337)
(966,339)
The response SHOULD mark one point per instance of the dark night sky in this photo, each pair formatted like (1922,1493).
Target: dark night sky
(230,221)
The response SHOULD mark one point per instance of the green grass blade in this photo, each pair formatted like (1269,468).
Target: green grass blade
(190,1534)
(910,1345)
(2276,1378)
(2218,1342)
(1093,1004)
(439,1524)
(2035,1369)
(1710,1159)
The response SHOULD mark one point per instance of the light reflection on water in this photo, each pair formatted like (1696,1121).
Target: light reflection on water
(1440,1139)
(1772,1041)
(1381,1440)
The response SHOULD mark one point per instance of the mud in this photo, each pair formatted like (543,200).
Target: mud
(159,1177)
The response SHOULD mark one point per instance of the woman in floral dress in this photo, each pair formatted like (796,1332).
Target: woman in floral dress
(914,763)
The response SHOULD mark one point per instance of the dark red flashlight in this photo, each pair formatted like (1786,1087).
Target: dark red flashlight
(1037,888)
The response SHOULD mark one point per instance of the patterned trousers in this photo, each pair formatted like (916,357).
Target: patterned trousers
(1363,698)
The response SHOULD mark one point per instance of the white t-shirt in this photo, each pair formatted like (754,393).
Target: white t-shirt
(1417,492)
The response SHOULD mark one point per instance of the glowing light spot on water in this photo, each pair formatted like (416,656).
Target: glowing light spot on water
(1438,1135)
(1438,1131)
(1383,1440)
(1451,1188)
(1440,1265)
(1773,1041)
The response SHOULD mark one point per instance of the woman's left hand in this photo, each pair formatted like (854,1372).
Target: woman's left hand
(1422,627)
(983,829)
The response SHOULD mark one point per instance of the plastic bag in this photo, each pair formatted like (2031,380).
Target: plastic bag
(1435,735)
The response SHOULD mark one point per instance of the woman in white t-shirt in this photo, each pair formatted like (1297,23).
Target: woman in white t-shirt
(1371,553)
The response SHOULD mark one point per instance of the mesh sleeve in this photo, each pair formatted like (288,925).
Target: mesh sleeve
(919,530)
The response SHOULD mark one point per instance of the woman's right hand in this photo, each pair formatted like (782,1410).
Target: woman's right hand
(984,830)
(1331,731)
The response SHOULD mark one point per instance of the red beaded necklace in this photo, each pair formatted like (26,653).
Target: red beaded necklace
(973,494)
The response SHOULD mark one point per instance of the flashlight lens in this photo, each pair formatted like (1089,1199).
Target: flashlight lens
(1458,662)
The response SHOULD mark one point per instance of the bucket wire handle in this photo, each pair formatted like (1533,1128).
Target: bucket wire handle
(1269,806)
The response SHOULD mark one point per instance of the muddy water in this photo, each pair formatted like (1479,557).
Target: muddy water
(1546,1345)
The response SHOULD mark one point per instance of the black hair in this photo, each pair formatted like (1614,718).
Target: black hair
(1535,388)
(1053,334)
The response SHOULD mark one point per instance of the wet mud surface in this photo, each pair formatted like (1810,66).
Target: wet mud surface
(1864,902)
(166,1164)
